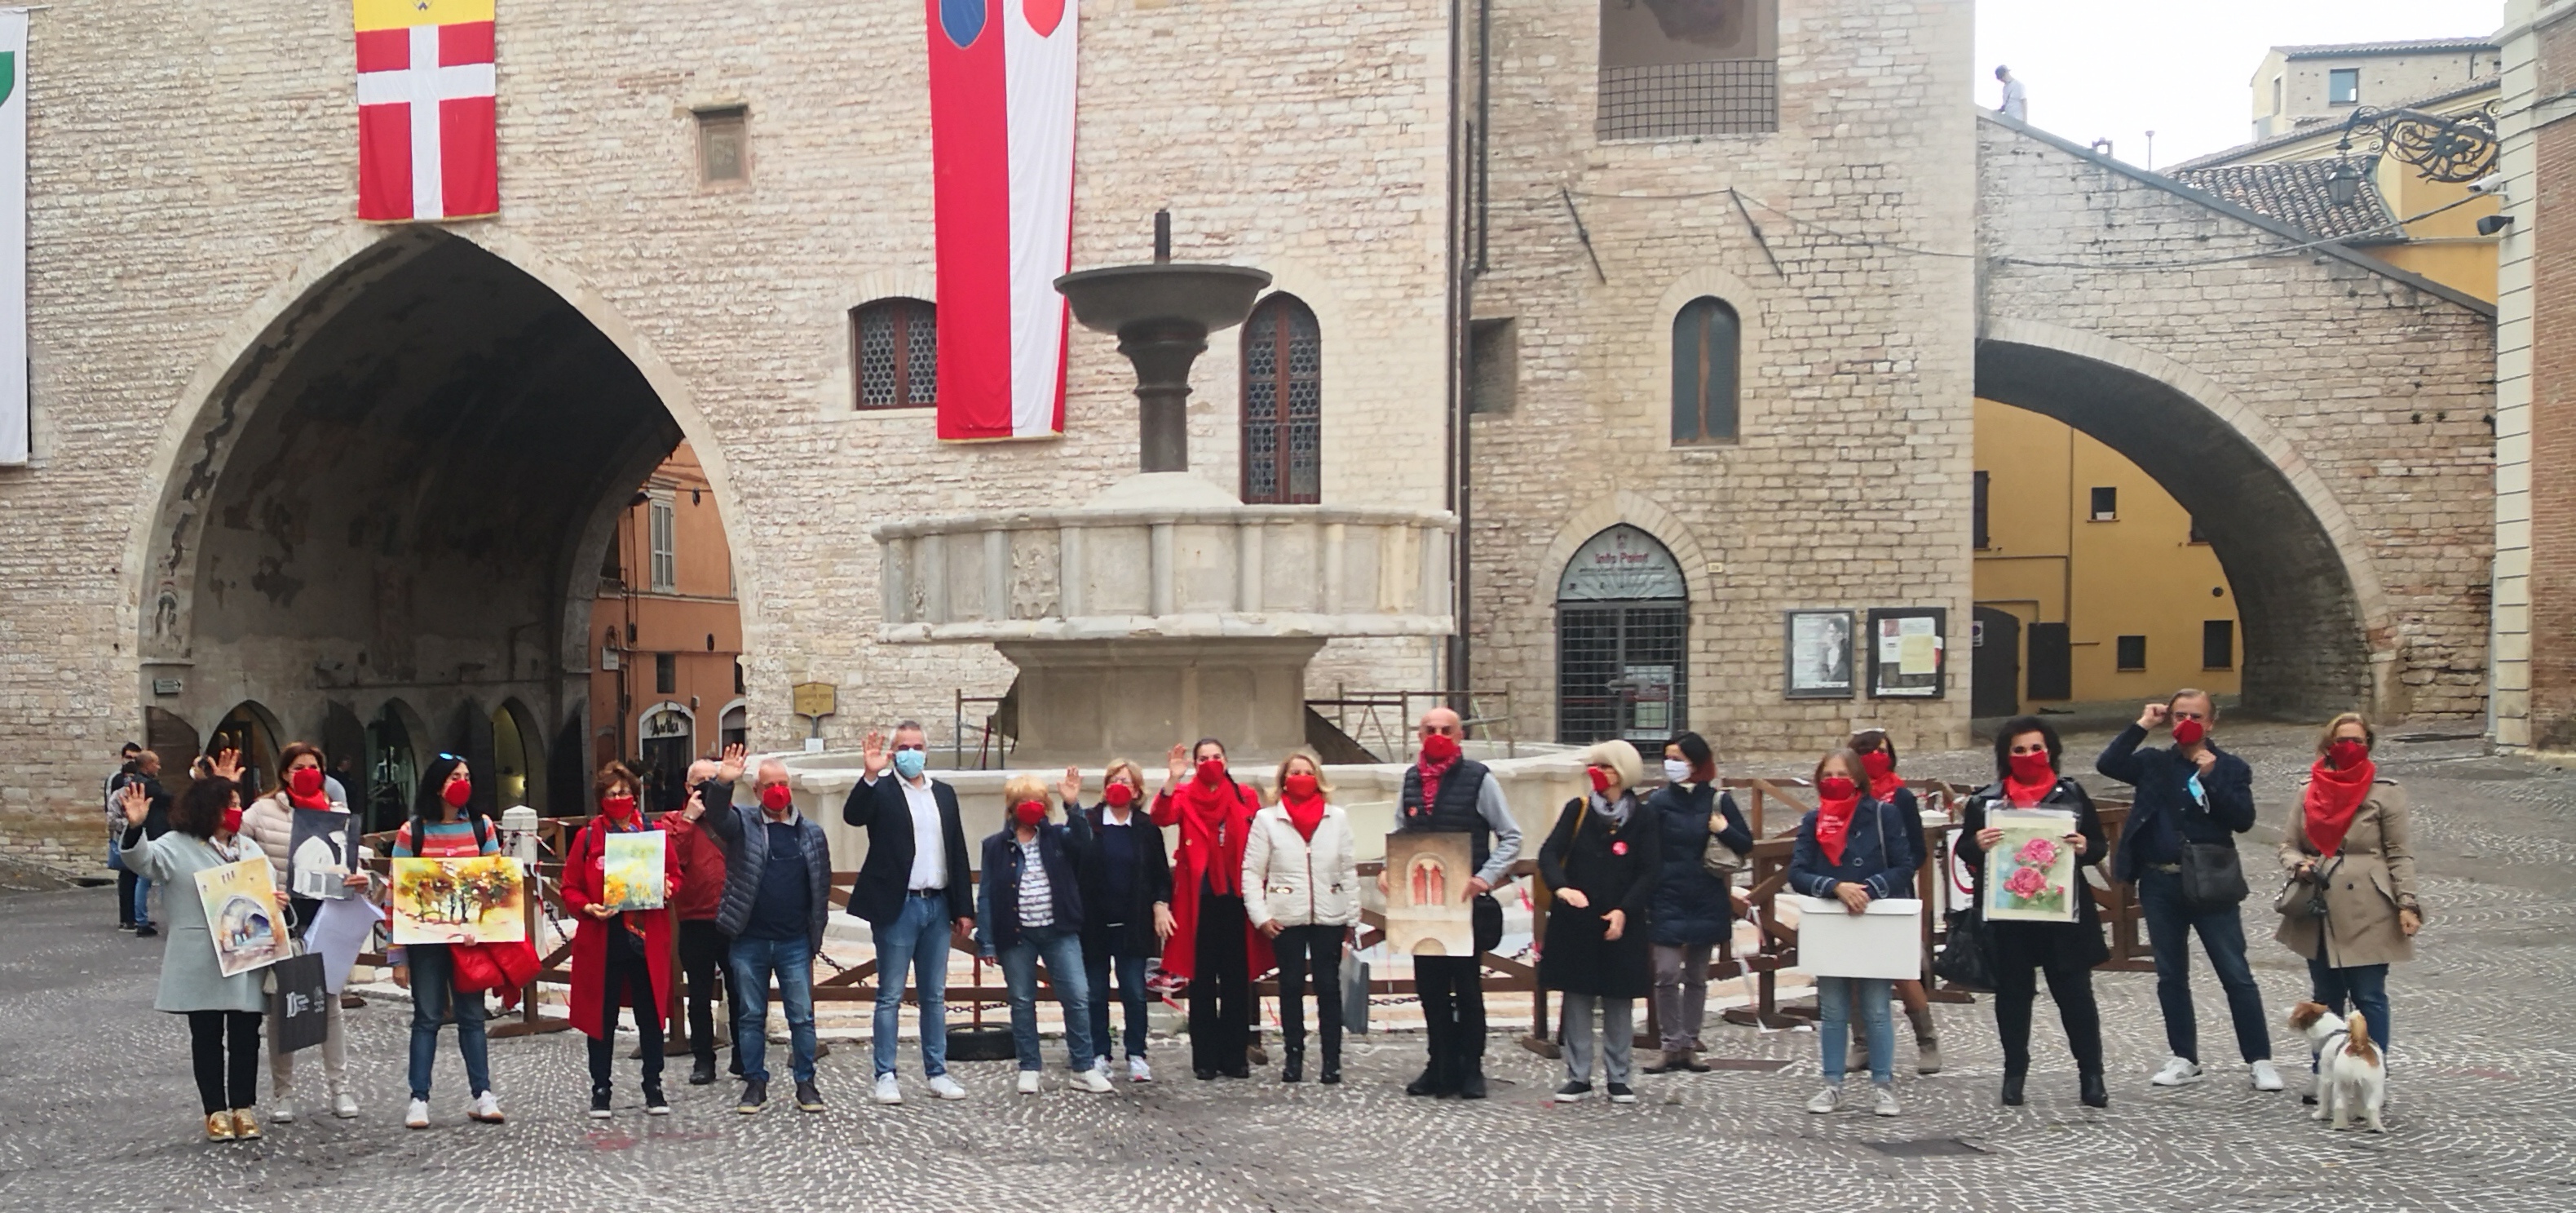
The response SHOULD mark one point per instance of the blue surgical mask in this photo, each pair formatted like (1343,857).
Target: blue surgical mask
(909,763)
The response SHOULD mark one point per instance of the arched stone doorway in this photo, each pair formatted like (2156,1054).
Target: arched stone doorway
(400,493)
(2315,633)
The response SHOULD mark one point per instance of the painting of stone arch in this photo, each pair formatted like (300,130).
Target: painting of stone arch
(1428,911)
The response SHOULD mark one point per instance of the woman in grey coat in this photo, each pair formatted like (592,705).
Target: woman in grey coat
(223,1012)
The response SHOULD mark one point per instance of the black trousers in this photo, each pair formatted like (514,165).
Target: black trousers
(1453,1008)
(629,980)
(702,963)
(1221,990)
(1317,949)
(125,899)
(224,1048)
(2071,986)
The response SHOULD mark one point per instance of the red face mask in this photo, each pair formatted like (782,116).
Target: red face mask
(1835,787)
(1029,812)
(1438,748)
(305,781)
(232,820)
(2189,732)
(1119,795)
(1212,771)
(618,808)
(2032,768)
(2346,754)
(1600,778)
(457,792)
(775,797)
(1300,785)
(1877,764)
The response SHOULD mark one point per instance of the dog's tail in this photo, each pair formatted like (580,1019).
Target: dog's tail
(2357,1040)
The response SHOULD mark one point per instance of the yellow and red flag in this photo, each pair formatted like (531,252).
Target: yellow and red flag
(428,140)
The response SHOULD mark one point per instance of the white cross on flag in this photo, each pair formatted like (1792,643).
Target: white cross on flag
(428,145)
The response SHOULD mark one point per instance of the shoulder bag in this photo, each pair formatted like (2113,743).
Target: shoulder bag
(2213,877)
(1715,857)
(2305,899)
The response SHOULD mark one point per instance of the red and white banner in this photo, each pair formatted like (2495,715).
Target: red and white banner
(1001,138)
(428,145)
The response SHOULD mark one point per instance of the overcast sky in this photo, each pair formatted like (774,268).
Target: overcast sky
(2117,69)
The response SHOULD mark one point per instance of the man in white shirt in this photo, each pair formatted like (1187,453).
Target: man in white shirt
(2016,104)
(914,891)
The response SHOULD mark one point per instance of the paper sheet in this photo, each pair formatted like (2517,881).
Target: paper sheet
(339,933)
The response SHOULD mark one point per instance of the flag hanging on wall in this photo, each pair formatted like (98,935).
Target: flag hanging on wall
(428,146)
(13,236)
(1001,139)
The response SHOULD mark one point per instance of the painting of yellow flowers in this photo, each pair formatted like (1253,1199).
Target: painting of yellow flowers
(632,878)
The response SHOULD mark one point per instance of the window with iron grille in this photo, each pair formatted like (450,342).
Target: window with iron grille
(895,353)
(1706,342)
(1685,68)
(1283,404)
(666,673)
(1622,641)
(2129,653)
(724,144)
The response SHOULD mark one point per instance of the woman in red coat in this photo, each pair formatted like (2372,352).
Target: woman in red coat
(1213,944)
(618,957)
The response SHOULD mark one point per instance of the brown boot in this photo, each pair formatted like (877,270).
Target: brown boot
(1927,1042)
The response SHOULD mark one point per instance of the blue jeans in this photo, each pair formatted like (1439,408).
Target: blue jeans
(748,968)
(1834,997)
(433,990)
(142,898)
(2170,925)
(917,940)
(1062,951)
(2365,986)
(1131,991)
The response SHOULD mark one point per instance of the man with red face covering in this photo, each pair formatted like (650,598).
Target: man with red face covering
(778,886)
(1448,791)
(619,956)
(2190,794)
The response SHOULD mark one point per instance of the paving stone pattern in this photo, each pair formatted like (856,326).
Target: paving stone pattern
(97,1111)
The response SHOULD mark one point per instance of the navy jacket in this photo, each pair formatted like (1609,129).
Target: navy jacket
(1874,855)
(997,902)
(1691,906)
(2163,814)
(744,831)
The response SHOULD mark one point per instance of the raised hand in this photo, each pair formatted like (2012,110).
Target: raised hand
(1179,761)
(729,768)
(1071,789)
(2153,716)
(134,803)
(695,807)
(227,765)
(872,753)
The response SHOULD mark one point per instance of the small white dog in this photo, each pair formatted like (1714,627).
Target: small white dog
(2351,1075)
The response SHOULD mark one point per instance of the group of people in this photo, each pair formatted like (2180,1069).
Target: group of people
(1638,891)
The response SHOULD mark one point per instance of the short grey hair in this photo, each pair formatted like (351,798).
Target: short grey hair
(766,766)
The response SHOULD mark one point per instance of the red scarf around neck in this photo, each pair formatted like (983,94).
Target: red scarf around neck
(1883,787)
(1833,825)
(1211,817)
(320,800)
(1304,814)
(2024,795)
(2333,797)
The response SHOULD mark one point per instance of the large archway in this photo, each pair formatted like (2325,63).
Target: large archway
(396,501)
(2313,624)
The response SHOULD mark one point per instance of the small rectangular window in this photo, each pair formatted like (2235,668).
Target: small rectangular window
(1493,365)
(2343,86)
(2218,644)
(666,673)
(737,676)
(2106,504)
(1979,536)
(666,561)
(724,144)
(2131,652)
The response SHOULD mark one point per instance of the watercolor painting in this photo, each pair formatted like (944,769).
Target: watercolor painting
(2030,872)
(471,900)
(632,877)
(1428,912)
(240,900)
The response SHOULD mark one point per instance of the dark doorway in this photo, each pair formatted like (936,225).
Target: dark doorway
(1994,670)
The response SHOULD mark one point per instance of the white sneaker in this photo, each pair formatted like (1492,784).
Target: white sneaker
(1101,1063)
(1094,1080)
(945,1087)
(2177,1071)
(1138,1071)
(344,1106)
(1028,1082)
(486,1109)
(1828,1100)
(283,1110)
(2266,1078)
(1884,1103)
(889,1092)
(416,1114)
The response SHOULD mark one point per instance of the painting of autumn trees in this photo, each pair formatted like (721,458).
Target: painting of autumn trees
(474,900)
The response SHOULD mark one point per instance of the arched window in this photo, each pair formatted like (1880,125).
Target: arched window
(1622,632)
(1283,404)
(1430,882)
(894,347)
(1706,342)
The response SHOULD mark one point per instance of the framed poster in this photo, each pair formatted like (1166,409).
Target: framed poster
(1908,657)
(1428,912)
(2031,872)
(1817,654)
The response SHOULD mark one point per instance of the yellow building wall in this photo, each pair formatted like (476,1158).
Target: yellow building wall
(2047,561)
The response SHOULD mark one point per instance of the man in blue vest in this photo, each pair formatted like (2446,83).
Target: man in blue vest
(1447,791)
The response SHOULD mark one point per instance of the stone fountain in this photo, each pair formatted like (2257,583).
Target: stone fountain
(1163,609)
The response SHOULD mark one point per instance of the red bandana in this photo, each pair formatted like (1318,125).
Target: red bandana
(1304,813)
(2334,795)
(1833,823)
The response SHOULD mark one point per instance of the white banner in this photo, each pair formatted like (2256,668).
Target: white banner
(13,236)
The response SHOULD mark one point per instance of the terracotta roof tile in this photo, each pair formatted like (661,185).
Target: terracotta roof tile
(2296,193)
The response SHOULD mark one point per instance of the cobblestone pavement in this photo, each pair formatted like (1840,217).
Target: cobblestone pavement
(97,1110)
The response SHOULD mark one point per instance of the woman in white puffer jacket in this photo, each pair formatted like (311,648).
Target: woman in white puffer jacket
(1302,884)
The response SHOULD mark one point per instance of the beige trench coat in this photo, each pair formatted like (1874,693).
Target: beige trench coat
(2366,886)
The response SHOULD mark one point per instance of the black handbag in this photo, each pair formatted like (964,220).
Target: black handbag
(2212,876)
(1967,957)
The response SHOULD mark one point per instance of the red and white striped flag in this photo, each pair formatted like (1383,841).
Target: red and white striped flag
(1001,138)
(428,142)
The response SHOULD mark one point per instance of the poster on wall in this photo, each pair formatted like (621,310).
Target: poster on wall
(1818,648)
(240,901)
(1908,656)
(1428,910)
